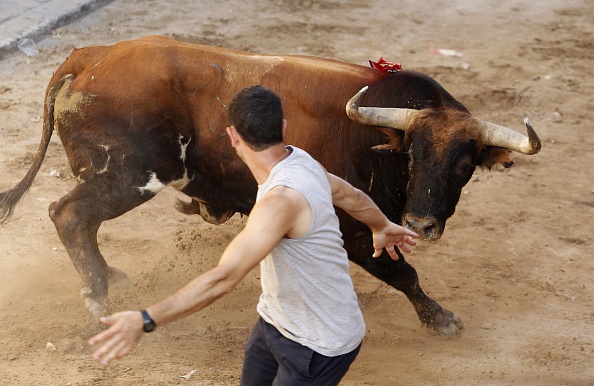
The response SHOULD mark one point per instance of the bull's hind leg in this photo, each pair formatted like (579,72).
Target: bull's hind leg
(78,216)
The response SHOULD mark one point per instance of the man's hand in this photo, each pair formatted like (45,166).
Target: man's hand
(391,236)
(123,334)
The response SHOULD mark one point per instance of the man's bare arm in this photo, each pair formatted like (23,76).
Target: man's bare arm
(269,221)
(361,207)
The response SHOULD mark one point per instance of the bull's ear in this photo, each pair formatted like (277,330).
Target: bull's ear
(492,156)
(395,140)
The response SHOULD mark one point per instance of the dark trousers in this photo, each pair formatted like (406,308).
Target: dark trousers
(273,360)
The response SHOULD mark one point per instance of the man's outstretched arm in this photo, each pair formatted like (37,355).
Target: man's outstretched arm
(361,207)
(269,221)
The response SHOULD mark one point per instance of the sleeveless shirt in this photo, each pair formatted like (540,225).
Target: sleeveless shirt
(307,291)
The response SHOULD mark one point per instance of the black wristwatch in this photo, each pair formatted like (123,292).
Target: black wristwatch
(148,322)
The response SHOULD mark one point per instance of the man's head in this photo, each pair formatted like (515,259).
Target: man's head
(257,115)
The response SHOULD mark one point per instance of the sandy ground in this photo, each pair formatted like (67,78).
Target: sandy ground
(515,262)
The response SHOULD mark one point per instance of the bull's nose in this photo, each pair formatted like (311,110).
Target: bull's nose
(427,228)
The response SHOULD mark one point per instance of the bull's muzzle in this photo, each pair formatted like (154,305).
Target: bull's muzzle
(428,228)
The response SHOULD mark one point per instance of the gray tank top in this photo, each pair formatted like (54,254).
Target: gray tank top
(307,292)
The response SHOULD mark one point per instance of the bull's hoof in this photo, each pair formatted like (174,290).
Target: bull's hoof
(445,323)
(94,307)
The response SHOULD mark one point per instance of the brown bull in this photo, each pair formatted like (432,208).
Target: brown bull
(141,115)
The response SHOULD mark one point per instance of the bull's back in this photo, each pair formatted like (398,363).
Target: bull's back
(153,59)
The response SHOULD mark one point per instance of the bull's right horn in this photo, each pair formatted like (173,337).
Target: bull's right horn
(395,118)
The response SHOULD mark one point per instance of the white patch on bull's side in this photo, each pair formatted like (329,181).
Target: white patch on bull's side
(182,182)
(153,185)
(104,169)
(184,146)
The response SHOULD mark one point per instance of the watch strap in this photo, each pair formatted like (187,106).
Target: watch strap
(148,322)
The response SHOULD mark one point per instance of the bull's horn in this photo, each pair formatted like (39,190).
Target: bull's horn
(495,135)
(394,118)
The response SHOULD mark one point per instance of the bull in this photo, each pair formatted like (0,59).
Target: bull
(144,114)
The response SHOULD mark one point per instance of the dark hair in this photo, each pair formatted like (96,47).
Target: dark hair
(257,114)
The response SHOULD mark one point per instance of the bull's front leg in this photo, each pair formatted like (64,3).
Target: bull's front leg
(402,276)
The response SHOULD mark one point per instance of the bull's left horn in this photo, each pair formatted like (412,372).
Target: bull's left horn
(495,135)
(394,118)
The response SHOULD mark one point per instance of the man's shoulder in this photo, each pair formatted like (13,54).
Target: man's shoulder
(282,200)
(282,194)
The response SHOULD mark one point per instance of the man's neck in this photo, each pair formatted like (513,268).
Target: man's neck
(262,162)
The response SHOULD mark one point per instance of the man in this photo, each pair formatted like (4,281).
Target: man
(310,328)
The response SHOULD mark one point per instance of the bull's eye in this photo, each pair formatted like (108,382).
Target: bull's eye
(467,167)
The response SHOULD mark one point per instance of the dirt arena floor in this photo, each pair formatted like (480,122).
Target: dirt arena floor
(515,262)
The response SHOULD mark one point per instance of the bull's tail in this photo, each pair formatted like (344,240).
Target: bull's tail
(11,197)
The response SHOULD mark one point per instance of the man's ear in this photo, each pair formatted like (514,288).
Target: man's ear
(284,127)
(233,135)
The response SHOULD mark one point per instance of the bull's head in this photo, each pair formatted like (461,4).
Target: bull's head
(444,147)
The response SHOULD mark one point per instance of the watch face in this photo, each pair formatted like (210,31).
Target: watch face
(149,326)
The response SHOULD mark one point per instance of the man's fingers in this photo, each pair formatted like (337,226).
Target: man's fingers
(106,334)
(405,248)
(110,342)
(412,234)
(116,352)
(114,348)
(410,241)
(107,320)
(392,253)
(388,240)
(101,337)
